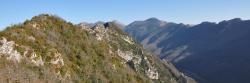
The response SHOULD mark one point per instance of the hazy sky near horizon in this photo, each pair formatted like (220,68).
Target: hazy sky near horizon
(125,11)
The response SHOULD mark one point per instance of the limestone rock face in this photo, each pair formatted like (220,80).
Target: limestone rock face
(57,59)
(7,50)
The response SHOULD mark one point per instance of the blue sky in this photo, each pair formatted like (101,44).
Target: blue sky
(125,11)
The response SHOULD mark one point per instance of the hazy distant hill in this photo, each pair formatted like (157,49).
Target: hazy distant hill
(210,52)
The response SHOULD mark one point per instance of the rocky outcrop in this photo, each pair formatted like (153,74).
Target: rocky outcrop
(128,39)
(7,50)
(127,56)
(152,73)
(37,60)
(149,70)
(57,59)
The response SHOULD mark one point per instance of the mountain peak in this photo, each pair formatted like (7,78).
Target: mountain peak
(235,20)
(153,19)
(207,23)
(99,26)
(44,17)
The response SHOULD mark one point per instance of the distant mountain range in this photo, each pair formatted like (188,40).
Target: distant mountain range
(209,52)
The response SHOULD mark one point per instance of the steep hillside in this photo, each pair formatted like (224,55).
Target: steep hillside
(50,49)
(152,31)
(210,52)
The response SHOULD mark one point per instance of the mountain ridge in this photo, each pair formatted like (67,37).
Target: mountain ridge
(50,49)
(221,46)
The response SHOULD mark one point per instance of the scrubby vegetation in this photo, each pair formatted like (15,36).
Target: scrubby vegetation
(77,54)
